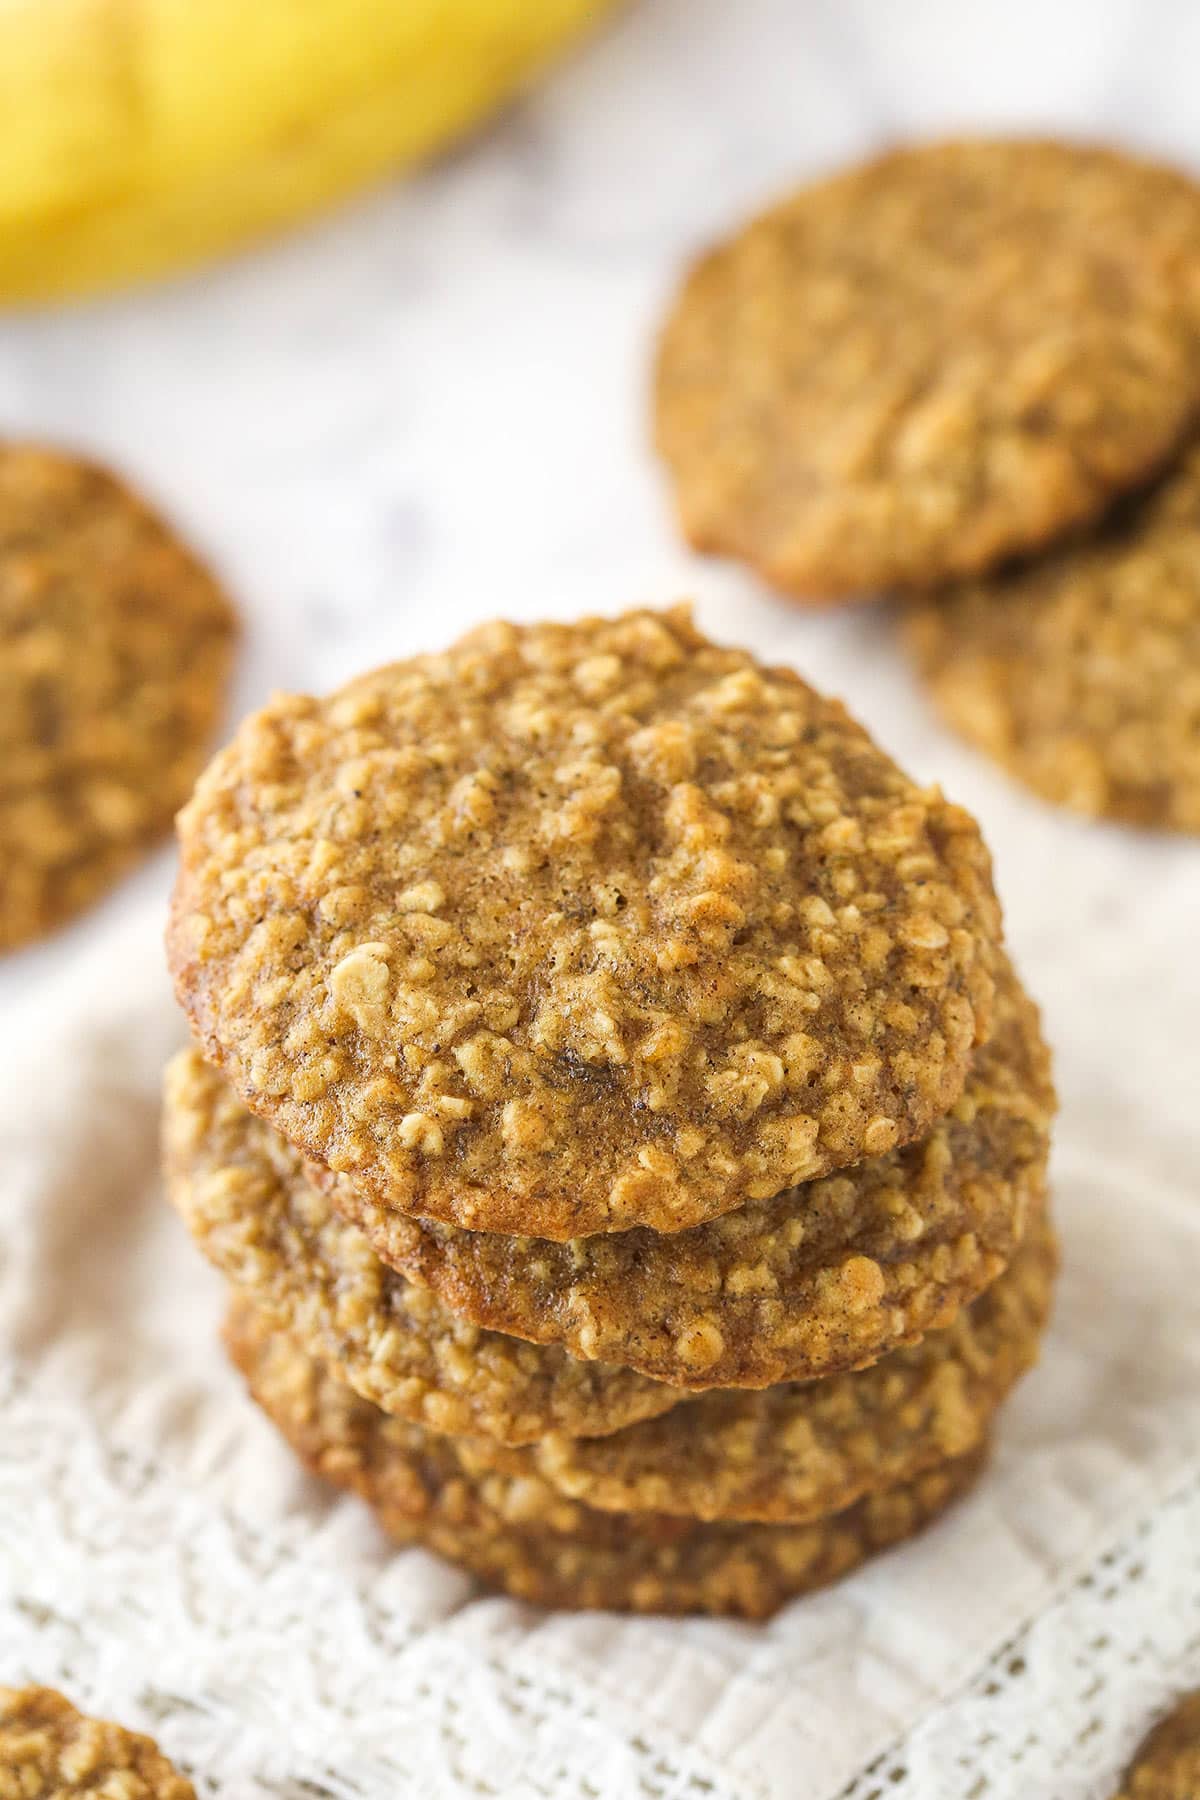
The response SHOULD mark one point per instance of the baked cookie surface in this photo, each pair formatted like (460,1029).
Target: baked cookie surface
(1167,1764)
(580,927)
(794,1453)
(931,362)
(519,1534)
(1080,673)
(822,1278)
(245,1197)
(115,648)
(49,1751)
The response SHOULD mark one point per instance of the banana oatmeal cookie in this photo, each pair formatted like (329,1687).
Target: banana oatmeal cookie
(1081,672)
(245,1197)
(931,362)
(795,1453)
(48,1751)
(819,1279)
(115,648)
(580,927)
(522,1536)
(1167,1765)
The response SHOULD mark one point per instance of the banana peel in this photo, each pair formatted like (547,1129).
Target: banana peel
(140,136)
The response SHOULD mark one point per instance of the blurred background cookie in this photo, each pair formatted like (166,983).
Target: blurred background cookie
(1167,1765)
(49,1751)
(1080,672)
(932,362)
(115,647)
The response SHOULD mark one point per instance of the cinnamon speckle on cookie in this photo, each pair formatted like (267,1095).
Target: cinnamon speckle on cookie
(575,928)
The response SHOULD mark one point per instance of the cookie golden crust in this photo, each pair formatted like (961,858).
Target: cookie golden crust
(580,927)
(519,1534)
(788,1452)
(244,1196)
(1167,1765)
(49,1751)
(1081,673)
(932,362)
(115,648)
(798,1453)
(823,1278)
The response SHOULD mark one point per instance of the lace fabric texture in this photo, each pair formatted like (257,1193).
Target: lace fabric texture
(1064,1704)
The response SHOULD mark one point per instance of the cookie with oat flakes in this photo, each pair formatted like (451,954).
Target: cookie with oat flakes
(824,1277)
(1167,1765)
(575,928)
(520,1535)
(49,1751)
(115,649)
(244,1195)
(1080,672)
(931,362)
(798,1452)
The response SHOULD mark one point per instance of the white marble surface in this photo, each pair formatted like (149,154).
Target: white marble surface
(432,409)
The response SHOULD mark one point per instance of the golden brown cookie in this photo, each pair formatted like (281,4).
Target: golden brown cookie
(932,362)
(48,1751)
(580,927)
(1167,1765)
(519,1534)
(1081,672)
(115,647)
(795,1453)
(244,1196)
(822,1278)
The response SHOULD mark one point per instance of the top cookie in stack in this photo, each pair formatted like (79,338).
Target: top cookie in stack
(576,928)
(620,994)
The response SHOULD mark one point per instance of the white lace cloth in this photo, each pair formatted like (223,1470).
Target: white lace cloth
(428,412)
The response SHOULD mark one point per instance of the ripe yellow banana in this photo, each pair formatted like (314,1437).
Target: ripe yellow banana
(137,136)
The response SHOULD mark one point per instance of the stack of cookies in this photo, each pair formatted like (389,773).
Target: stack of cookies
(614,1111)
(971,370)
